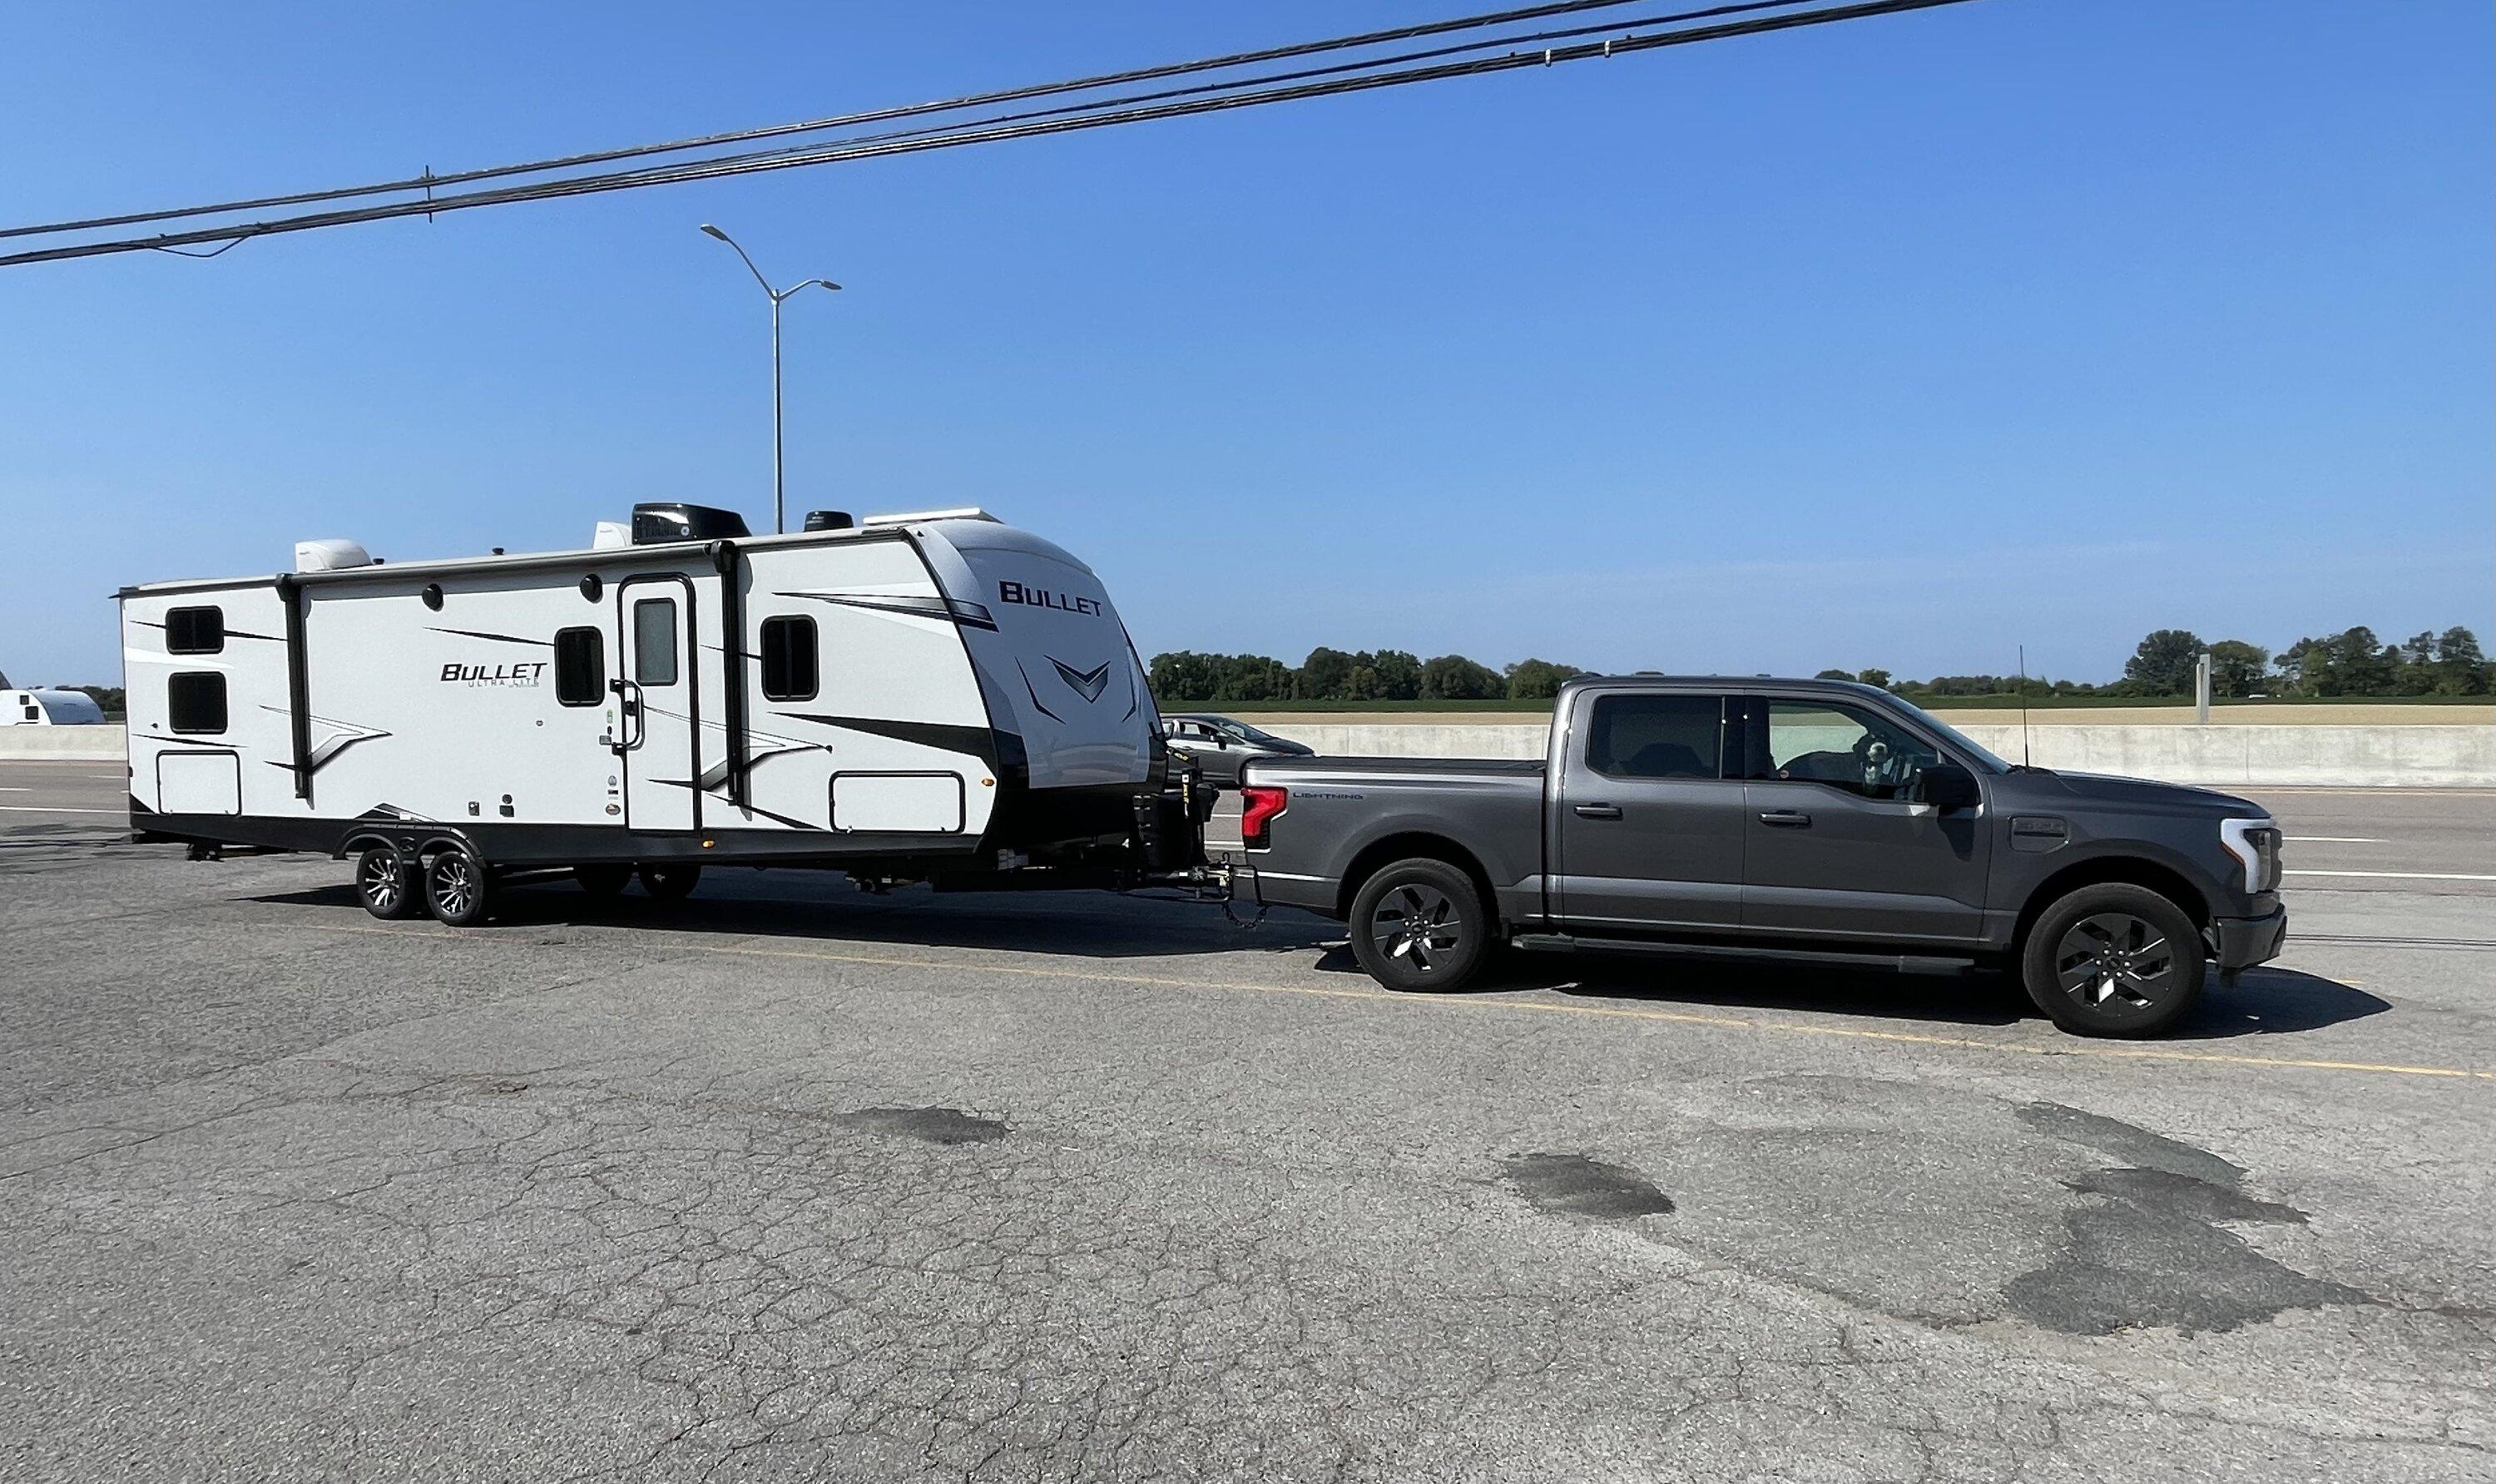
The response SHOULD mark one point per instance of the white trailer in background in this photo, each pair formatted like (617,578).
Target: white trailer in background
(925,697)
(46,706)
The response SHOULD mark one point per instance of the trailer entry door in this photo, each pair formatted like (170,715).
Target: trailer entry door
(659,749)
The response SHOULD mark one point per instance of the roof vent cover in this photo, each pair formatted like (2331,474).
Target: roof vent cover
(676,521)
(331,555)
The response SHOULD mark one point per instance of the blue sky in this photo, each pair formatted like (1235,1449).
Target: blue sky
(1892,343)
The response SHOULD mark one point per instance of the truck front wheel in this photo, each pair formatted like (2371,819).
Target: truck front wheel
(2113,959)
(1420,924)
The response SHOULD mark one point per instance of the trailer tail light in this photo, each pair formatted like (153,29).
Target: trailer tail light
(1258,806)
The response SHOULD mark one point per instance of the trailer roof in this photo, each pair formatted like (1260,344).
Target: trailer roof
(872,528)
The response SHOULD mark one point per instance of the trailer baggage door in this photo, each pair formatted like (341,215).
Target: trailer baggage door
(660,749)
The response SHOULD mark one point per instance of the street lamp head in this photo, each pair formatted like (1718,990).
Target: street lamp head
(711,230)
(828,284)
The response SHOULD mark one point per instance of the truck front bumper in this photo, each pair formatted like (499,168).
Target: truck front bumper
(2241,942)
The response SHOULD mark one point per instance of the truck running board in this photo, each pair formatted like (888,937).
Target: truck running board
(1902,963)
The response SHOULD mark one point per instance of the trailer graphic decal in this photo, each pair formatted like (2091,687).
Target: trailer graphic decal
(1034,692)
(502,638)
(232,634)
(970,741)
(952,610)
(1088,684)
(346,735)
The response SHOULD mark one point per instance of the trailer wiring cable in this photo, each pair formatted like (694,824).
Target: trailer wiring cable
(1235,93)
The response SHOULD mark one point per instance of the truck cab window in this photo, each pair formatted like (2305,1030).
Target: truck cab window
(1843,748)
(580,667)
(654,641)
(1654,736)
(789,666)
(195,630)
(195,702)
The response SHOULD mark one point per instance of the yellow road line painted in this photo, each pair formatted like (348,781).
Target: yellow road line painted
(1458,1002)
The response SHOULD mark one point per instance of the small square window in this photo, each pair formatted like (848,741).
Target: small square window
(580,667)
(789,667)
(195,630)
(194,701)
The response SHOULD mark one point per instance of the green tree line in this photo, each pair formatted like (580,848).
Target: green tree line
(2352,663)
(1335,675)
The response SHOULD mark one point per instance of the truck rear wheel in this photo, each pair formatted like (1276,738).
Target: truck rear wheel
(1420,924)
(670,880)
(2113,959)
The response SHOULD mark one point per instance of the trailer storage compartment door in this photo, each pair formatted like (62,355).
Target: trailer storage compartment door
(198,781)
(899,803)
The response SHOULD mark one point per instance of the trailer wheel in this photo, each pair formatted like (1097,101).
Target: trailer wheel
(670,880)
(457,889)
(387,885)
(606,882)
(1420,924)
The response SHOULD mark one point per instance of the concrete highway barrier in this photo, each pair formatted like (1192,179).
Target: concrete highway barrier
(2244,757)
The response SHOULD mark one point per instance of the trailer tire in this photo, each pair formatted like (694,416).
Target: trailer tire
(605,882)
(1420,924)
(458,889)
(390,888)
(670,880)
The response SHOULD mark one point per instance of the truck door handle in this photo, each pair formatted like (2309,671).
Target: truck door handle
(1599,811)
(1786,819)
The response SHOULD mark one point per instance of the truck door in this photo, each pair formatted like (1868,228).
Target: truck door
(1647,832)
(1838,849)
(659,722)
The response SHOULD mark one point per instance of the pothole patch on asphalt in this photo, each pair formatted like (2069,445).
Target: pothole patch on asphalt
(931,1126)
(2148,1251)
(1573,1185)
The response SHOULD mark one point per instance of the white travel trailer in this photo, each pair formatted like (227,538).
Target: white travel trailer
(930,696)
(47,707)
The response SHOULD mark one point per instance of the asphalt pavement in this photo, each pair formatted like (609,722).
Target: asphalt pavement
(793,1181)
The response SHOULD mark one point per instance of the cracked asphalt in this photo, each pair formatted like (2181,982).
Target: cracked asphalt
(792,1182)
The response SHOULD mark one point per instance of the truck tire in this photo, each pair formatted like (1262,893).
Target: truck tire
(458,889)
(605,882)
(670,880)
(390,888)
(1420,924)
(2113,959)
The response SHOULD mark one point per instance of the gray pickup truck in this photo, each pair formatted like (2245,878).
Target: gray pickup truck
(1796,818)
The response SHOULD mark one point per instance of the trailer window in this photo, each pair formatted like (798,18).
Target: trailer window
(789,659)
(580,667)
(195,630)
(1654,736)
(654,641)
(194,701)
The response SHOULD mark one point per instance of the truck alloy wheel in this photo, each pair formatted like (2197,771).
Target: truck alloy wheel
(1419,924)
(387,885)
(2113,960)
(670,882)
(457,889)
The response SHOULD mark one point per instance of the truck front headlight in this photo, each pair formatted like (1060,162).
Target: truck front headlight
(2256,844)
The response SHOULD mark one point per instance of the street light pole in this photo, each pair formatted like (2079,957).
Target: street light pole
(778,296)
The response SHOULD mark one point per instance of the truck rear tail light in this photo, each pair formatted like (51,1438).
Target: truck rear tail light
(1258,806)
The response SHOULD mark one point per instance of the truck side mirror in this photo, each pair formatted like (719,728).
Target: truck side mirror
(1945,785)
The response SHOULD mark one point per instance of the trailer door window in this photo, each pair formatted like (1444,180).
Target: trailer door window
(194,701)
(654,641)
(580,667)
(788,671)
(195,630)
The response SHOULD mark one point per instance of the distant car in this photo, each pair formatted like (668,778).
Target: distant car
(1219,744)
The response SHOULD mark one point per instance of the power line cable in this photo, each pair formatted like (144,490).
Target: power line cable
(1238,93)
(430,181)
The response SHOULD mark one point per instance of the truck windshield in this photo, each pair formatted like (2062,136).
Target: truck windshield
(1983,758)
